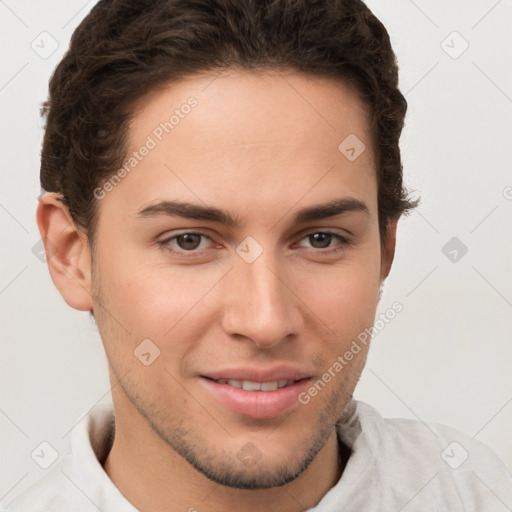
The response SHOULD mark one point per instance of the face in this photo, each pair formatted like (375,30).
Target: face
(241,248)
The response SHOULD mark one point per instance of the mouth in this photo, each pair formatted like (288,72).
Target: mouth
(250,385)
(254,398)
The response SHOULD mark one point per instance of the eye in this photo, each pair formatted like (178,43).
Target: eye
(186,242)
(323,240)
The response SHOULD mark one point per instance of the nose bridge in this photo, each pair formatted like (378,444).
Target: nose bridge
(260,306)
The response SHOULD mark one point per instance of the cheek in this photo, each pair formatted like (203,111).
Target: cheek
(344,298)
(158,301)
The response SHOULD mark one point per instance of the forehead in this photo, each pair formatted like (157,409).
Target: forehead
(249,138)
(240,107)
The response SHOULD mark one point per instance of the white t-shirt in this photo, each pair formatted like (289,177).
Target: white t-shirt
(395,465)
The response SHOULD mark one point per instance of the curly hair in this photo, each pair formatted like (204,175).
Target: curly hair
(125,49)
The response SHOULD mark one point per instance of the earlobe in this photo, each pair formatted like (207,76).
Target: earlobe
(388,248)
(67,252)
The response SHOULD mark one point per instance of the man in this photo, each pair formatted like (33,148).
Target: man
(222,188)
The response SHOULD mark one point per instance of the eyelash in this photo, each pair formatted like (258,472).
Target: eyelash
(342,241)
(165,244)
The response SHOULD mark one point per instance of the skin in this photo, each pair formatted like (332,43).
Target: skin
(261,151)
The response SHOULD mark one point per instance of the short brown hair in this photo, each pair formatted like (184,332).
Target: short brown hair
(126,48)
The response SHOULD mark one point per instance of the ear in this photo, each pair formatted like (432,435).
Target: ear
(67,252)
(388,248)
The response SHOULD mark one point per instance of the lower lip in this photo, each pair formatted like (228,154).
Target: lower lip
(256,404)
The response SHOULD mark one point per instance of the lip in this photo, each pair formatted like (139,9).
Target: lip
(280,372)
(257,404)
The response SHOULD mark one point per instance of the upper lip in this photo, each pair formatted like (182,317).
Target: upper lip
(259,374)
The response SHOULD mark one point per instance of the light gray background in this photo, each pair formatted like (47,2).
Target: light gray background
(446,357)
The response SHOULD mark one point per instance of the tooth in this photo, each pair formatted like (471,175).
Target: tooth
(269,386)
(251,386)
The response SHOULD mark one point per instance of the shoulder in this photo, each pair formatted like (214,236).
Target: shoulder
(77,482)
(436,459)
(53,491)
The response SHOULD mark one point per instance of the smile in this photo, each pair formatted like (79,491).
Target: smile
(250,385)
(255,399)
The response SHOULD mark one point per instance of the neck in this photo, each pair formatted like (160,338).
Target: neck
(153,477)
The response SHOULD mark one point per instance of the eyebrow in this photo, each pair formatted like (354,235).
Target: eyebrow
(193,211)
(331,209)
(188,211)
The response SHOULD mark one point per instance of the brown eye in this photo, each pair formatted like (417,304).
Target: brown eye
(188,241)
(323,240)
(192,245)
(320,240)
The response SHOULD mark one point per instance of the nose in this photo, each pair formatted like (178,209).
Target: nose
(259,304)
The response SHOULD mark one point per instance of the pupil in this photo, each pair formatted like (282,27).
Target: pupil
(320,240)
(189,241)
